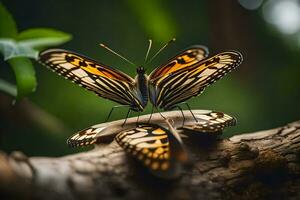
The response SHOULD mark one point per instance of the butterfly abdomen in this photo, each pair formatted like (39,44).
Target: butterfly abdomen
(142,86)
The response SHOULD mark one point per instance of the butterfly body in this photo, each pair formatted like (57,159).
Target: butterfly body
(184,76)
(141,80)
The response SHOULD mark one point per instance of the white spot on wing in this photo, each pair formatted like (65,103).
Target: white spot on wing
(207,72)
(67,65)
(88,80)
(79,73)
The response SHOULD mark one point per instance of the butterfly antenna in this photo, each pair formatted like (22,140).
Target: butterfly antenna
(160,50)
(119,55)
(148,51)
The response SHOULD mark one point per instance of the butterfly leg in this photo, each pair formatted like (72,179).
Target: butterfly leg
(181,114)
(188,106)
(152,110)
(127,115)
(138,117)
(160,114)
(110,112)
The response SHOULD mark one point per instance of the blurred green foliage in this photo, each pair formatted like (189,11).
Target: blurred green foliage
(159,26)
(262,93)
(8,27)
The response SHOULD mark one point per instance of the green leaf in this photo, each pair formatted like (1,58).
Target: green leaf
(30,40)
(8,26)
(11,49)
(25,76)
(42,37)
(8,88)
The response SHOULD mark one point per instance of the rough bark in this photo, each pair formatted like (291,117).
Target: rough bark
(259,165)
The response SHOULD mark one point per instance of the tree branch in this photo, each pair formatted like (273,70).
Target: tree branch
(247,166)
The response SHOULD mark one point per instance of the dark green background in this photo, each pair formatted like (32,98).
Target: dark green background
(262,93)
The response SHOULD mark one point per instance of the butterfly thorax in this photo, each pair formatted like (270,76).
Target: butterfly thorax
(142,86)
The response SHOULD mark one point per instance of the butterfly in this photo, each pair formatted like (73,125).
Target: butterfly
(159,148)
(184,76)
(207,122)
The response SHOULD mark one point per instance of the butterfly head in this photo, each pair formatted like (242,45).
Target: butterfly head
(140,70)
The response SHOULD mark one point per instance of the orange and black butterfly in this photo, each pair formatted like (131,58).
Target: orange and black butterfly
(158,147)
(208,121)
(184,76)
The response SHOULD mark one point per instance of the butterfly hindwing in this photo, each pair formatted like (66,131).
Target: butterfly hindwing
(96,134)
(85,137)
(99,78)
(210,122)
(173,88)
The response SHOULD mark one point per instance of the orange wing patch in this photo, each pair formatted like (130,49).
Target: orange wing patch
(158,131)
(181,61)
(95,69)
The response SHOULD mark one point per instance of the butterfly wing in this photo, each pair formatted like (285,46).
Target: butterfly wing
(188,57)
(155,147)
(86,137)
(99,78)
(148,143)
(172,88)
(210,122)
(96,134)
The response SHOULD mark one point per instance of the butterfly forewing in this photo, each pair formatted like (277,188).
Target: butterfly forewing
(190,81)
(181,61)
(148,143)
(101,79)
